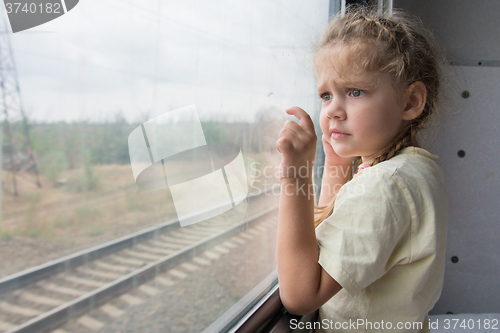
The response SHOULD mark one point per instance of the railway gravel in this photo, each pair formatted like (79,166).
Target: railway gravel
(185,299)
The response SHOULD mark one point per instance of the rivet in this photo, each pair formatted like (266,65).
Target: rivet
(454,259)
(465,94)
(461,153)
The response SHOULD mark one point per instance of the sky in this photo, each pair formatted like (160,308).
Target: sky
(231,58)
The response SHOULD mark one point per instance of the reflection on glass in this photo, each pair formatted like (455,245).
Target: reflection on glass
(179,132)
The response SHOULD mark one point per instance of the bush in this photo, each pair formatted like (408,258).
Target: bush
(52,165)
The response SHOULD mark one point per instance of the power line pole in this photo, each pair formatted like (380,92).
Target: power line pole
(12,103)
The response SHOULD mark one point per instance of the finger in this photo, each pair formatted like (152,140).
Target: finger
(289,133)
(303,117)
(293,127)
(293,136)
(284,145)
(325,140)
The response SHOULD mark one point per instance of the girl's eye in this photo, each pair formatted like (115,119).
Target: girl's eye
(356,92)
(326,96)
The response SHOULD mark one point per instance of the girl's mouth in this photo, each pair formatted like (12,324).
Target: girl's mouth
(336,134)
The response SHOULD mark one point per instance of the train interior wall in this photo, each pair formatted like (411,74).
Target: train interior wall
(467,140)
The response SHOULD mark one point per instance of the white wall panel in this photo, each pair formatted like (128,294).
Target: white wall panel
(470,32)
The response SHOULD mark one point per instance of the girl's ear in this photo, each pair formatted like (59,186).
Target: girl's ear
(415,103)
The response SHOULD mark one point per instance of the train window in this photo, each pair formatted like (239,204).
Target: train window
(139,189)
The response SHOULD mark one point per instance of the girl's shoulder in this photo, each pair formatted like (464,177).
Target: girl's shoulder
(408,183)
(412,169)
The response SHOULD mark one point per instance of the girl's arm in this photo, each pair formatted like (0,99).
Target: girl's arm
(304,285)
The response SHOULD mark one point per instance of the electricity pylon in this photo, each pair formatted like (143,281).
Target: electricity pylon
(12,104)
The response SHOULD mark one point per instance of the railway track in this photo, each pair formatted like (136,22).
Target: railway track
(48,296)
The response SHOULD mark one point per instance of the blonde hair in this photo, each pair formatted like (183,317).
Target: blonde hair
(404,49)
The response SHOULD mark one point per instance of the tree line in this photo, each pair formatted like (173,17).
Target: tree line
(60,146)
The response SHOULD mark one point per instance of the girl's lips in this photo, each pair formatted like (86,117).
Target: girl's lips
(336,134)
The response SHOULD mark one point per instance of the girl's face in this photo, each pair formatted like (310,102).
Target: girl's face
(361,112)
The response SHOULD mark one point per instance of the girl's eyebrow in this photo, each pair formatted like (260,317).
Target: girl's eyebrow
(321,87)
(351,83)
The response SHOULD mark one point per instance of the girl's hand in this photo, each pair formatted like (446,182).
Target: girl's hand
(331,157)
(297,144)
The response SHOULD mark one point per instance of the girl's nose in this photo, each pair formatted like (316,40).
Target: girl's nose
(335,110)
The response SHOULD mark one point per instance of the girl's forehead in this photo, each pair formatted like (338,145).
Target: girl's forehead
(354,65)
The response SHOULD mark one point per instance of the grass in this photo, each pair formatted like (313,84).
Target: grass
(34,233)
(63,212)
(6,234)
(84,214)
(96,230)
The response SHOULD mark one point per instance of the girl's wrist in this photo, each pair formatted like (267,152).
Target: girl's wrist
(303,171)
(298,186)
(296,180)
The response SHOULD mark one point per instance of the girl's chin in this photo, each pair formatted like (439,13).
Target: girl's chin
(344,153)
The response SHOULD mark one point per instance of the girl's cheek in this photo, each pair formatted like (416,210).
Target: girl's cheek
(323,123)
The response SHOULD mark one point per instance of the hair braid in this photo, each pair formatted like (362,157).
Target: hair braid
(403,142)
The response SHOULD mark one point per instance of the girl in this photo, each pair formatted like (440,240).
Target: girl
(376,260)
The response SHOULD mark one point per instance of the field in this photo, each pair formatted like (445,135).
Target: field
(84,210)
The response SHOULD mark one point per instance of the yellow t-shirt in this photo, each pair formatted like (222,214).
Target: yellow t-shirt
(385,245)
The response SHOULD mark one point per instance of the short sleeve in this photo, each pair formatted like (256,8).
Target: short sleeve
(368,226)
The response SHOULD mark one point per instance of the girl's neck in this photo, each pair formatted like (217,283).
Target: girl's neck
(369,160)
(415,143)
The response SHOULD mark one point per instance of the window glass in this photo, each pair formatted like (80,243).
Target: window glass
(140,145)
